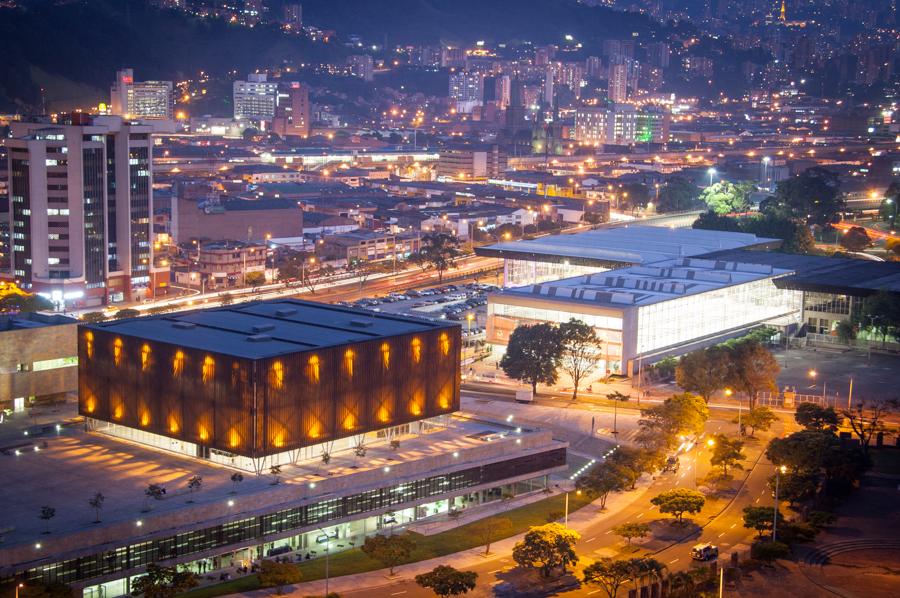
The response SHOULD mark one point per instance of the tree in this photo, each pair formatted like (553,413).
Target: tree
(795,234)
(163,582)
(882,311)
(46,514)
(54,589)
(802,452)
(490,530)
(769,551)
(390,551)
(609,574)
(677,195)
(277,575)
(795,487)
(855,239)
(703,372)
(93,317)
(254,279)
(275,470)
(815,417)
(628,464)
(312,281)
(444,581)
(724,197)
(866,420)
(363,269)
(194,484)
(580,351)
(727,453)
(632,530)
(813,196)
(96,503)
(507,232)
(889,206)
(760,418)
(660,425)
(126,313)
(24,303)
(712,221)
(678,502)
(752,369)
(226,298)
(437,250)
(533,354)
(602,479)
(547,547)
(236,478)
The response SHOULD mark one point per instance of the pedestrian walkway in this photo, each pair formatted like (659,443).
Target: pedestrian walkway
(578,521)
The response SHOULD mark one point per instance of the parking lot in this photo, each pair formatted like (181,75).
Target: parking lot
(874,377)
(466,304)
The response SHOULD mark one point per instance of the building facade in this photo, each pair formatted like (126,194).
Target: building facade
(292,113)
(81,196)
(255,99)
(38,359)
(466,90)
(145,100)
(472,163)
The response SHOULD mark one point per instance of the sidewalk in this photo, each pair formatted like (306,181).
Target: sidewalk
(578,521)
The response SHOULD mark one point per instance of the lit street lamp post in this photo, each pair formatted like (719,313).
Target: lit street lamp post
(813,374)
(566,516)
(711,172)
(778,472)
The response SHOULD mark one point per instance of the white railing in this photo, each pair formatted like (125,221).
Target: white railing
(857,343)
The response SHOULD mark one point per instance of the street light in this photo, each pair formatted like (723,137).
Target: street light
(566,517)
(813,374)
(778,472)
(711,172)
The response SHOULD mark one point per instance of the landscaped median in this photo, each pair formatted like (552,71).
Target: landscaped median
(455,540)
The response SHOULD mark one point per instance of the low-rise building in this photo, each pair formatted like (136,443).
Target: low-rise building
(38,359)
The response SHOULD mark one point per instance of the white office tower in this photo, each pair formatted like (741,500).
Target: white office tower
(255,99)
(144,100)
(81,202)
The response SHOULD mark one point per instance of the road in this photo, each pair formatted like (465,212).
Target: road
(348,289)
(720,522)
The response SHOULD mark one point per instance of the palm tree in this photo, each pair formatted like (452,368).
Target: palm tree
(47,513)
(96,503)
(236,478)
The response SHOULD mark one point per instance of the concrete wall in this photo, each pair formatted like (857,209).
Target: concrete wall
(36,344)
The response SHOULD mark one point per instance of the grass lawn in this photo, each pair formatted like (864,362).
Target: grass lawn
(427,547)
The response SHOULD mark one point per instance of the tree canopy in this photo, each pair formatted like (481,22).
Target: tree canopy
(437,250)
(580,351)
(677,195)
(703,372)
(724,197)
(163,582)
(444,581)
(533,354)
(390,551)
(547,547)
(814,196)
(679,501)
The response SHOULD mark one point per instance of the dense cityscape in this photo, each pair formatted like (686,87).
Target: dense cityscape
(431,298)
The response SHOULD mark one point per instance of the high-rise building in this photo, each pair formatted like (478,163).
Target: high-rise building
(547,94)
(362,66)
(293,15)
(658,54)
(453,57)
(466,90)
(147,100)
(594,67)
(617,89)
(621,124)
(292,111)
(503,89)
(255,99)
(81,198)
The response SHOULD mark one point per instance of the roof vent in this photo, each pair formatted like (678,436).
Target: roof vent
(259,338)
(184,325)
(284,312)
(263,328)
(360,323)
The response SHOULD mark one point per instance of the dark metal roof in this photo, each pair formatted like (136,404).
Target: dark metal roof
(822,274)
(261,329)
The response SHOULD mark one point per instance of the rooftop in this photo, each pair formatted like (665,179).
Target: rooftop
(25,320)
(76,464)
(824,274)
(262,329)
(637,286)
(622,246)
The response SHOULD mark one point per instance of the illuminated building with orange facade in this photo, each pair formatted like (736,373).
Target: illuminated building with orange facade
(267,382)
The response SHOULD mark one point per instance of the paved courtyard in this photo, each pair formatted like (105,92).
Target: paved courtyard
(874,377)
